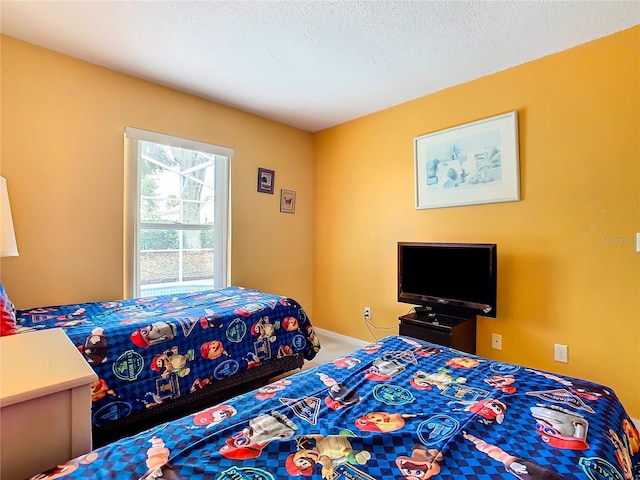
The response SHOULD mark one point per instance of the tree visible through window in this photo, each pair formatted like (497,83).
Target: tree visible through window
(181,242)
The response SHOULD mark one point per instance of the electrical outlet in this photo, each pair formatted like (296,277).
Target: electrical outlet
(496,341)
(367,313)
(561,353)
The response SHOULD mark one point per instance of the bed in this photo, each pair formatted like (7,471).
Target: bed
(158,358)
(397,408)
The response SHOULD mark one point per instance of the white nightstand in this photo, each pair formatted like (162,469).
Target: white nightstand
(45,402)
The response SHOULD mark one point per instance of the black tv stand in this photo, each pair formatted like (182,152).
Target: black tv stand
(446,330)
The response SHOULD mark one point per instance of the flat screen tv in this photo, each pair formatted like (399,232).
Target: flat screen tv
(457,279)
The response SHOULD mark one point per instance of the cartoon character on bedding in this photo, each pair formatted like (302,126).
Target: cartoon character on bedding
(330,452)
(153,334)
(200,383)
(381,422)
(383,370)
(253,360)
(249,309)
(100,389)
(623,455)
(79,313)
(212,350)
(587,390)
(518,467)
(269,390)
(261,430)
(463,362)
(489,409)
(151,400)
(346,362)
(158,462)
(340,396)
(172,362)
(313,338)
(421,465)
(504,383)
(213,416)
(265,330)
(284,351)
(632,434)
(372,348)
(426,351)
(441,379)
(290,324)
(560,428)
(582,388)
(211,319)
(95,347)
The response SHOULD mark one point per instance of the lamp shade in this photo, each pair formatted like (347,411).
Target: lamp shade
(8,247)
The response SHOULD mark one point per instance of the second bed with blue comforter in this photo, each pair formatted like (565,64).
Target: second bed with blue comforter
(149,352)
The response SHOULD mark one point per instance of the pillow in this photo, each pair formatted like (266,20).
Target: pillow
(7,314)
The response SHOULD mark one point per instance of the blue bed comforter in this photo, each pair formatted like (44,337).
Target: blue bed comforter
(147,351)
(396,409)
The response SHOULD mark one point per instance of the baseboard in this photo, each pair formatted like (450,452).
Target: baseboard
(343,338)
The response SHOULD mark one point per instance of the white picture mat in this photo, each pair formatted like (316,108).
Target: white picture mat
(469,164)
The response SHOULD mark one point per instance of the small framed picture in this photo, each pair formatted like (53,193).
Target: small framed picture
(287,201)
(266,180)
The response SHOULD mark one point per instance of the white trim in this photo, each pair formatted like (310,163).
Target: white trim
(222,231)
(637,422)
(132,224)
(338,336)
(148,136)
(131,204)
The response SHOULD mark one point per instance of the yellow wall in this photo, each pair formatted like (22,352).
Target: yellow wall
(567,266)
(568,272)
(62,155)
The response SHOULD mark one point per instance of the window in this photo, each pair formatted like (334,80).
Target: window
(178,214)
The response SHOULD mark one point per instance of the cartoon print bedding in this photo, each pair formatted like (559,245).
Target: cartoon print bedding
(149,351)
(399,408)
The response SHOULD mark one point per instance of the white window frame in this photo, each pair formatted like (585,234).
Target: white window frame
(222,204)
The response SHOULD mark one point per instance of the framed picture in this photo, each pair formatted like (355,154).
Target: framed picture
(266,180)
(469,164)
(287,201)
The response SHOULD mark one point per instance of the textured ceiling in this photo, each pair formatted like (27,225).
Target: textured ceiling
(312,64)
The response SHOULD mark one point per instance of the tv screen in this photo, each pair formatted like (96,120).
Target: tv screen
(449,278)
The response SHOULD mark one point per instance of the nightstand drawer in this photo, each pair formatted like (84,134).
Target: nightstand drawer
(458,333)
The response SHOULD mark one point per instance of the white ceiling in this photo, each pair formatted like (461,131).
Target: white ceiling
(312,64)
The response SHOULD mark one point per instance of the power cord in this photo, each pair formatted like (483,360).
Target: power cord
(369,324)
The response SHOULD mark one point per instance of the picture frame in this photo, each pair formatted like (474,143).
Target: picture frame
(470,164)
(287,201)
(266,180)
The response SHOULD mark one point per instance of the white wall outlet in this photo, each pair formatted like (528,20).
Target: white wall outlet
(367,313)
(496,341)
(637,242)
(561,353)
